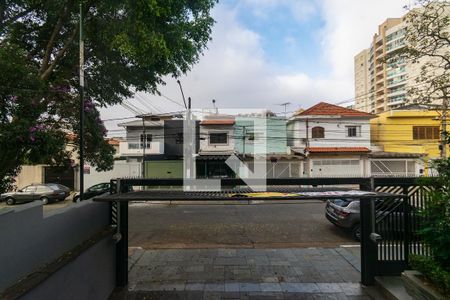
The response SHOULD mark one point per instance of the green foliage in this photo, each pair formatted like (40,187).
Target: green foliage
(427,48)
(433,271)
(129,46)
(435,230)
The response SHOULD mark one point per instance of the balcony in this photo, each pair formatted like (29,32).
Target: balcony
(136,149)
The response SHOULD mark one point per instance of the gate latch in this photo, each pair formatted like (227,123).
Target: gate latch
(375,237)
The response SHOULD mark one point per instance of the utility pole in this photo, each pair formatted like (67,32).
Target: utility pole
(144,145)
(443,143)
(182,94)
(81,66)
(244,132)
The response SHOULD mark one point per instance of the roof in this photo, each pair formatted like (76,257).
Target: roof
(327,109)
(382,154)
(217,122)
(138,123)
(338,149)
(113,142)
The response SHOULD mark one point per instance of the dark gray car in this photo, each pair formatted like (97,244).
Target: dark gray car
(43,192)
(345,213)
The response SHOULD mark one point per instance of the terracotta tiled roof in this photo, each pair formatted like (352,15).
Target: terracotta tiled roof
(327,109)
(337,149)
(217,122)
(113,142)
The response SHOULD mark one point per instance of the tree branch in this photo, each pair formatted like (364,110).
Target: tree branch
(48,50)
(60,54)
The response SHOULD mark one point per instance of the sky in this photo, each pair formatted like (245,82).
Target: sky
(267,52)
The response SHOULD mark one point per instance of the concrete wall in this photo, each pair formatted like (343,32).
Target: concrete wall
(31,239)
(29,175)
(91,276)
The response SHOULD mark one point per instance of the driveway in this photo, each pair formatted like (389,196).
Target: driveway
(299,225)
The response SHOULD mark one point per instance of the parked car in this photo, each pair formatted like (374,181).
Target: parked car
(43,192)
(345,213)
(62,187)
(93,191)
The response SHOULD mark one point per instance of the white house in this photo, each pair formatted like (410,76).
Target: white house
(217,135)
(335,140)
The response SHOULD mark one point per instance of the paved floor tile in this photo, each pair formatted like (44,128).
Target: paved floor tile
(246,274)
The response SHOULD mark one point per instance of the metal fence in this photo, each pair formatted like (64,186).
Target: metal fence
(389,225)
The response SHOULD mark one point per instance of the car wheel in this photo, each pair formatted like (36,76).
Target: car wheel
(356,232)
(44,200)
(10,201)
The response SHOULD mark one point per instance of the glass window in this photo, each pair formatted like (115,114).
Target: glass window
(318,132)
(147,139)
(29,189)
(425,132)
(218,138)
(42,189)
(353,131)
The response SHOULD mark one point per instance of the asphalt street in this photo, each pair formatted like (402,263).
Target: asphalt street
(299,225)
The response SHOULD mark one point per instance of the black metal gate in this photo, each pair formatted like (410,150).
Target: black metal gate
(389,228)
(61,175)
(389,225)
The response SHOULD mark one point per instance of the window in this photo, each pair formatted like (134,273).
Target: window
(425,132)
(147,138)
(179,138)
(42,189)
(218,138)
(318,132)
(29,189)
(353,131)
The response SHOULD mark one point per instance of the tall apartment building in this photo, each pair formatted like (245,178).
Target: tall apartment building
(362,80)
(380,86)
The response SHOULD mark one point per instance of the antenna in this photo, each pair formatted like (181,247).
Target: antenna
(285,104)
(214,105)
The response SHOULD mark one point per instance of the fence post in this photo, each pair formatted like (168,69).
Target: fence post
(122,244)
(368,247)
(407,223)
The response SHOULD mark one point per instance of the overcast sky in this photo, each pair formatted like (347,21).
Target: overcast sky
(266,52)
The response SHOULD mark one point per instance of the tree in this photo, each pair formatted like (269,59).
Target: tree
(129,46)
(427,48)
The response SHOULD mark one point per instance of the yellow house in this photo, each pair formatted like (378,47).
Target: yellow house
(408,129)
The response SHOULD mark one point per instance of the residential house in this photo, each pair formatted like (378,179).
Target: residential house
(412,130)
(158,140)
(334,139)
(215,146)
(264,136)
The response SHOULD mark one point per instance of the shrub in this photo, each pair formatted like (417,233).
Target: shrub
(433,271)
(435,231)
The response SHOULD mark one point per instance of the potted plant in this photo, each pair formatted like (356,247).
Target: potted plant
(430,278)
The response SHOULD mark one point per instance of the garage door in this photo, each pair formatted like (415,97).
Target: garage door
(61,175)
(336,168)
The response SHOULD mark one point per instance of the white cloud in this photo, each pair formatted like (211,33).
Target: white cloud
(235,70)
(350,25)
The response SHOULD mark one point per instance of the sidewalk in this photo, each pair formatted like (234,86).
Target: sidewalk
(311,273)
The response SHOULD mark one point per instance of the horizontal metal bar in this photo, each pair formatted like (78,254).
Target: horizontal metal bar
(275,181)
